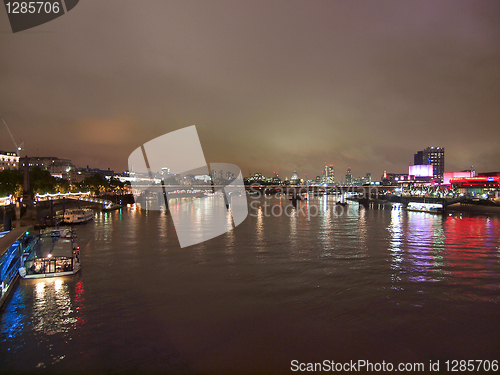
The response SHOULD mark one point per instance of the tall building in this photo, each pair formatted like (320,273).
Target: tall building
(435,156)
(418,158)
(431,156)
(329,177)
(348,177)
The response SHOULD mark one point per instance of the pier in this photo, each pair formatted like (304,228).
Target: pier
(12,246)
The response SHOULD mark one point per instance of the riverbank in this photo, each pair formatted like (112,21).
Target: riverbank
(473,208)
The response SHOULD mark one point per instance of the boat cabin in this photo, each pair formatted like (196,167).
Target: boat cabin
(52,256)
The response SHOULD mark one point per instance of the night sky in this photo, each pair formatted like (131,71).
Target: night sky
(270,85)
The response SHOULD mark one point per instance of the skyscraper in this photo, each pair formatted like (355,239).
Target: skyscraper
(418,158)
(432,156)
(348,177)
(329,175)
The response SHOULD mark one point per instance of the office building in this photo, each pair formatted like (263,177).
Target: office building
(348,177)
(435,156)
(57,167)
(432,156)
(329,173)
(418,158)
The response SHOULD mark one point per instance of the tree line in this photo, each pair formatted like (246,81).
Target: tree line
(41,182)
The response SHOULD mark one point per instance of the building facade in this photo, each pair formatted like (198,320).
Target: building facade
(8,160)
(348,177)
(329,177)
(432,156)
(57,167)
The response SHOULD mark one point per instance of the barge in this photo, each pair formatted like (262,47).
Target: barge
(55,254)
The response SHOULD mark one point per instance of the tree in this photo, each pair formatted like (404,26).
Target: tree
(41,181)
(62,185)
(96,182)
(116,184)
(11,183)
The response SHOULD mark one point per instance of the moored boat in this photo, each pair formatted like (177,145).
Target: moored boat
(51,256)
(433,208)
(13,245)
(111,206)
(58,232)
(78,215)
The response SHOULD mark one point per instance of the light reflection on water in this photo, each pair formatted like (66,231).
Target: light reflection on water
(316,283)
(52,307)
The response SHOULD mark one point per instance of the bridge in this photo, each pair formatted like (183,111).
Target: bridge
(366,190)
(82,197)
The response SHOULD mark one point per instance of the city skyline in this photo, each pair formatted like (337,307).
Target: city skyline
(277,86)
(432,157)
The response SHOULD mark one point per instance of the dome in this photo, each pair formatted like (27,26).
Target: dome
(295,176)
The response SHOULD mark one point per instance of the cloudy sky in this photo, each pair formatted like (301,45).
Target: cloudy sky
(270,85)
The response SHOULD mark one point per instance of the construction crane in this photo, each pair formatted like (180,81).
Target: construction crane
(19,147)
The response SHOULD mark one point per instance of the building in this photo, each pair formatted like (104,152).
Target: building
(76,175)
(329,177)
(294,180)
(395,178)
(276,180)
(8,160)
(348,177)
(421,173)
(432,156)
(484,185)
(450,175)
(418,158)
(56,167)
(257,178)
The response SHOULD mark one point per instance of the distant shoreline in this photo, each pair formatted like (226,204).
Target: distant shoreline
(473,208)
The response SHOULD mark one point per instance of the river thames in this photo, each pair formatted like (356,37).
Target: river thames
(378,284)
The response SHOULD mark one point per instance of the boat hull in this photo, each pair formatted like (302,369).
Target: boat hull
(430,208)
(425,211)
(53,274)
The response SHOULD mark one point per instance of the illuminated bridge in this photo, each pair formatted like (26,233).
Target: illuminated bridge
(82,197)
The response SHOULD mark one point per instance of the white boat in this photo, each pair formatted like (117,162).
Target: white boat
(52,256)
(78,215)
(433,208)
(111,206)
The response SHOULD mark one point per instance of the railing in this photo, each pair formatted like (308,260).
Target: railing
(84,197)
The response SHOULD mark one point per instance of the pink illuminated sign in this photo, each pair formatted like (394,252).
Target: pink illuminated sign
(421,170)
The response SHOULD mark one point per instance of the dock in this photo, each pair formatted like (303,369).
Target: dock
(12,246)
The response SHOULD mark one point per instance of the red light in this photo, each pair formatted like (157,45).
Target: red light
(472,179)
